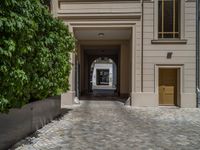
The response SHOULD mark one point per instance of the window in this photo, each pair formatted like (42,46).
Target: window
(102,76)
(168,18)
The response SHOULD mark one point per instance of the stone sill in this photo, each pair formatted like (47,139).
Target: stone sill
(169,41)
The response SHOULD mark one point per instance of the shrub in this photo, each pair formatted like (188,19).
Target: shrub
(34,53)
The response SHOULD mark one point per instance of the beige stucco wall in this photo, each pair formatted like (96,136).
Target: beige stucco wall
(182,53)
(124,13)
(155,54)
(97,8)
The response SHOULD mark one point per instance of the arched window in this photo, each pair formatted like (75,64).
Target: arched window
(168,18)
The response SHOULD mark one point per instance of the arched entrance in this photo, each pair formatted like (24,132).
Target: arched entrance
(104,63)
(103,77)
(100,70)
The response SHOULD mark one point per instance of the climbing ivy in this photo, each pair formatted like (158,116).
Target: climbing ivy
(34,53)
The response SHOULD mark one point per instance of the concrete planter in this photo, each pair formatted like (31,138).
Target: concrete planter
(19,123)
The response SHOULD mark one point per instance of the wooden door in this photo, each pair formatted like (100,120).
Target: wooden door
(168,86)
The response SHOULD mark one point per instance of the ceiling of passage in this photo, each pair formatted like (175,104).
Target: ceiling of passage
(101,50)
(102,33)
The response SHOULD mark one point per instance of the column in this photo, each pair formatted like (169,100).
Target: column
(68,97)
(54,8)
(133,71)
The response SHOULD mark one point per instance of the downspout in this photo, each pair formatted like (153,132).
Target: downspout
(197,53)
(76,99)
(142,42)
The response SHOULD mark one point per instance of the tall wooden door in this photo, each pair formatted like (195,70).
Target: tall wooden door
(168,81)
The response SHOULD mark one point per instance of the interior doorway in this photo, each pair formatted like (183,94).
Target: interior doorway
(103,77)
(169,86)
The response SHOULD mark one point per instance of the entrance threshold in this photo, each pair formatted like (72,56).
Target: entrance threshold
(103,98)
(169,107)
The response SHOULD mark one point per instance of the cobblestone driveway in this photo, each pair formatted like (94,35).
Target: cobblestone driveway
(101,125)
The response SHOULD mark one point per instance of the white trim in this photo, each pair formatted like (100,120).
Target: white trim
(109,25)
(155,19)
(182,22)
(133,60)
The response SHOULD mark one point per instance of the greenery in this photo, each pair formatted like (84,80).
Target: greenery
(34,53)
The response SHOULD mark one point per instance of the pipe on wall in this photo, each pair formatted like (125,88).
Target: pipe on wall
(142,42)
(197,53)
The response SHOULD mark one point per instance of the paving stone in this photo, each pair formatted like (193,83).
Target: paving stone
(109,125)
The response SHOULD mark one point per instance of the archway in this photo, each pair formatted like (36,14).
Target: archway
(103,77)
(119,51)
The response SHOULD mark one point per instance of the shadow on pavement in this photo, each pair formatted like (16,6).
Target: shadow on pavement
(104,98)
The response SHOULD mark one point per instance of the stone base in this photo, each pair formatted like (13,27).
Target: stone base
(145,99)
(188,100)
(19,123)
(67,98)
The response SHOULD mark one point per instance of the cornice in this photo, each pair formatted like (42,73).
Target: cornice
(115,0)
(151,1)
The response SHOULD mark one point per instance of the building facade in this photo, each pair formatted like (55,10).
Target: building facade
(151,41)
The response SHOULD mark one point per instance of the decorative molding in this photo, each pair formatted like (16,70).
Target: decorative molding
(169,41)
(97,1)
(148,1)
(190,0)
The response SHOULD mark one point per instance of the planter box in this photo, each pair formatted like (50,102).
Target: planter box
(19,123)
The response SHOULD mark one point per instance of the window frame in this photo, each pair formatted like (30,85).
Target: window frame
(173,31)
(98,75)
(181,23)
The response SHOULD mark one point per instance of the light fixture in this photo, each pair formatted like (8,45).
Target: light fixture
(101,35)
(169,55)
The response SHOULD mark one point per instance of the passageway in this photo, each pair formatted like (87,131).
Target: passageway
(103,62)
